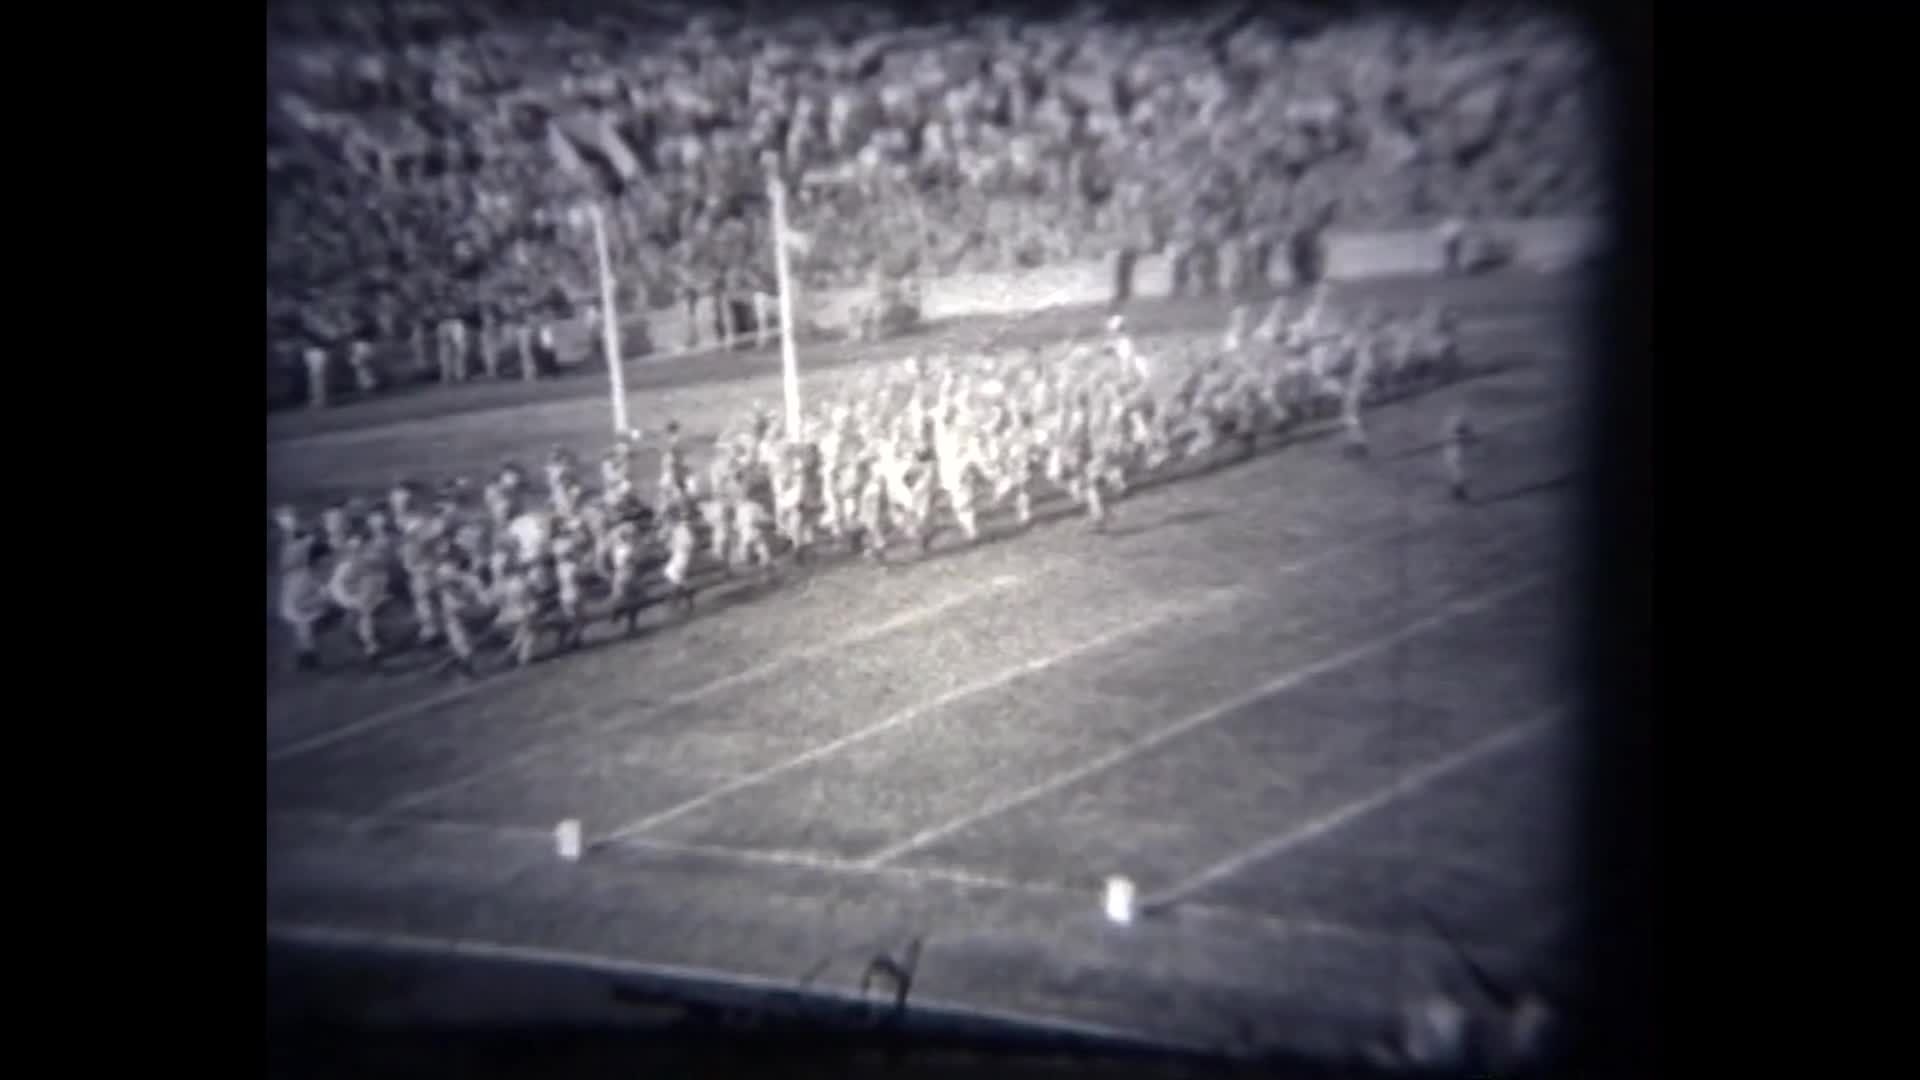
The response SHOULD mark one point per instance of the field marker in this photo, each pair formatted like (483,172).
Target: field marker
(1284,682)
(1325,823)
(566,839)
(457,694)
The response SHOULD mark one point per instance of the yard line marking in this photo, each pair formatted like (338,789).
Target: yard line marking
(832,865)
(1216,597)
(688,697)
(362,823)
(538,956)
(1320,826)
(1273,686)
(457,694)
(358,824)
(354,824)
(1226,915)
(418,798)
(1089,894)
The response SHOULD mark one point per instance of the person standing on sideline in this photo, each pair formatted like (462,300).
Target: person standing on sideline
(361,358)
(316,363)
(1459,435)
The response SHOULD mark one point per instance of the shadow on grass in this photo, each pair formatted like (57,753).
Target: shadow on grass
(1562,481)
(1188,517)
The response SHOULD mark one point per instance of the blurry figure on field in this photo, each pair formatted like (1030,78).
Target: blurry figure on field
(490,335)
(303,604)
(453,351)
(681,546)
(361,358)
(626,559)
(562,475)
(1236,335)
(675,474)
(336,525)
(1353,396)
(461,600)
(357,586)
(302,601)
(547,349)
(751,526)
(516,613)
(717,510)
(764,307)
(529,359)
(569,572)
(315,359)
(420,345)
(298,544)
(1458,437)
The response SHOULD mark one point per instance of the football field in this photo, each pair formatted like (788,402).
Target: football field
(1299,700)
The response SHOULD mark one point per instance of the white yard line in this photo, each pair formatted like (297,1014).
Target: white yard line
(1089,895)
(1273,686)
(521,835)
(828,864)
(760,670)
(366,823)
(1414,781)
(1215,597)
(704,690)
(415,944)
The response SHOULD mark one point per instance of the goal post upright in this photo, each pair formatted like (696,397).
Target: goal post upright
(789,357)
(609,321)
(785,240)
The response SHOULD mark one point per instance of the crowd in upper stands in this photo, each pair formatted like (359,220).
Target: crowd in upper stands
(423,155)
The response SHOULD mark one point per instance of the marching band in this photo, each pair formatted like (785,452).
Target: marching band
(918,447)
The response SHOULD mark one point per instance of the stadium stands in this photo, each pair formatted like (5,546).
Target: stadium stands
(422,154)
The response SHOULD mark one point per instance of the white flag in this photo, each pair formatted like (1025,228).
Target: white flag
(798,242)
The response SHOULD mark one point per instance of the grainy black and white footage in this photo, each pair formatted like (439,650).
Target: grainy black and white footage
(1146,612)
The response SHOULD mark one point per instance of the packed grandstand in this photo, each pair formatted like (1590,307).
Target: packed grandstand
(424,157)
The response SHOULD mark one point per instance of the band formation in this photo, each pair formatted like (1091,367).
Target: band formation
(927,446)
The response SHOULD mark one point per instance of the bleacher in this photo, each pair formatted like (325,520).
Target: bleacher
(423,155)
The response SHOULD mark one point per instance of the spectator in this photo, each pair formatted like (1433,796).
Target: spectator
(435,168)
(317,373)
(361,358)
(453,351)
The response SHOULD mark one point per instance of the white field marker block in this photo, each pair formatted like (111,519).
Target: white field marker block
(1119,900)
(566,839)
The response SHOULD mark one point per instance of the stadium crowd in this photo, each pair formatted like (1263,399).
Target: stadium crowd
(931,444)
(424,155)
